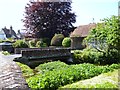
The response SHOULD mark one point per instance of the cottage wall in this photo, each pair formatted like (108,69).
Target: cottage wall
(76,42)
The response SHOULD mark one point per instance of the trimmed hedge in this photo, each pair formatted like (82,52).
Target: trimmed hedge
(20,44)
(50,66)
(54,76)
(40,44)
(66,42)
(103,81)
(57,40)
(32,43)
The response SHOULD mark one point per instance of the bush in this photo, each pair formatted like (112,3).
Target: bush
(27,71)
(41,44)
(112,56)
(91,55)
(5,53)
(66,42)
(46,40)
(8,40)
(1,40)
(102,81)
(50,66)
(20,44)
(57,40)
(32,43)
(55,76)
(88,55)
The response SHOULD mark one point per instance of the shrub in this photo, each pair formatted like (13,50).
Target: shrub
(8,40)
(46,40)
(50,66)
(1,40)
(41,44)
(57,40)
(66,42)
(88,55)
(91,55)
(27,71)
(20,44)
(102,82)
(115,66)
(112,56)
(32,43)
(55,76)
(5,53)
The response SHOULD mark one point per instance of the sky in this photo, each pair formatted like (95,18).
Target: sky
(11,11)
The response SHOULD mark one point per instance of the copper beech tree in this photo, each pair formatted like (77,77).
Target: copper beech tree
(44,19)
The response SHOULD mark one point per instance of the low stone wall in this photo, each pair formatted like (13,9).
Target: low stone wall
(33,57)
(19,50)
(46,52)
(8,48)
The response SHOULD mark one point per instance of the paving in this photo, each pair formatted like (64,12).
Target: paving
(10,74)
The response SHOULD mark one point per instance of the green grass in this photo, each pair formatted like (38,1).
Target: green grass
(26,71)
(106,80)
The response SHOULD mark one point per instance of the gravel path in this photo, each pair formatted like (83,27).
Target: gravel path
(10,74)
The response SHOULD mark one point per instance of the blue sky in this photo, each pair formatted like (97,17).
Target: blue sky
(11,11)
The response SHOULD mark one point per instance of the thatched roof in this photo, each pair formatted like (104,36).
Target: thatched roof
(83,30)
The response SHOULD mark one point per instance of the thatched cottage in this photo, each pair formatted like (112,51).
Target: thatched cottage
(79,34)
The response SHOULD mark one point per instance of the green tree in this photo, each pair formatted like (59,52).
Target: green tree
(44,19)
(106,38)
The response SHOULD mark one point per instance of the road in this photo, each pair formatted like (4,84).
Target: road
(10,73)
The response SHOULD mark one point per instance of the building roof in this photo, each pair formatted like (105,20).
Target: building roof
(83,30)
(2,35)
(9,33)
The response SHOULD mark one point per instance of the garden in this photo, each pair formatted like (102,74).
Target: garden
(95,66)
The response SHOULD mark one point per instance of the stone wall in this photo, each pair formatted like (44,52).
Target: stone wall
(8,48)
(76,43)
(33,57)
(46,52)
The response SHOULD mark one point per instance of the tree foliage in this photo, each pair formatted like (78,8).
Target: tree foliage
(106,37)
(44,19)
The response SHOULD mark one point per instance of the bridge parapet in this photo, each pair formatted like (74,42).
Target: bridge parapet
(46,52)
(33,57)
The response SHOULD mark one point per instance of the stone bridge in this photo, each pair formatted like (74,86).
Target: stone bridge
(10,74)
(33,57)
